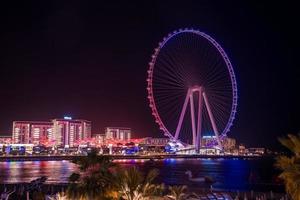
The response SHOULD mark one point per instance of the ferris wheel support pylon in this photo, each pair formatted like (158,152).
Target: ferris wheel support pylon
(186,101)
(196,131)
(199,121)
(193,118)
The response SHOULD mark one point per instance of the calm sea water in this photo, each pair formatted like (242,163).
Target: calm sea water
(230,174)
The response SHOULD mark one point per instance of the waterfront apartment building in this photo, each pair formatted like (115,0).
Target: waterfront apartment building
(68,132)
(31,132)
(118,133)
(59,132)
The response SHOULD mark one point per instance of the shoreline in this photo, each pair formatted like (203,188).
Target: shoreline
(129,157)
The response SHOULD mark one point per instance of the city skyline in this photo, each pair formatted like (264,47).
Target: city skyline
(93,64)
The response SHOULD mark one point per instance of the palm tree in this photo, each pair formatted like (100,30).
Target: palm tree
(95,178)
(177,192)
(290,165)
(91,159)
(134,186)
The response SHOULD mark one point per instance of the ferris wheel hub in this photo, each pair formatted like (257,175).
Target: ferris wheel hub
(196,88)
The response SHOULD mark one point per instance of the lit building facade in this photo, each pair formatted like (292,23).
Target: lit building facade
(155,141)
(31,132)
(227,143)
(99,139)
(4,139)
(68,132)
(59,132)
(118,133)
(257,151)
(207,140)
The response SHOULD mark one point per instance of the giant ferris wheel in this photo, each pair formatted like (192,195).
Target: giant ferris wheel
(192,88)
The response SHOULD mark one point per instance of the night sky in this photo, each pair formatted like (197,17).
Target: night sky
(89,60)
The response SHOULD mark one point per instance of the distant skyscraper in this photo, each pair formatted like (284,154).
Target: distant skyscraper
(31,132)
(119,133)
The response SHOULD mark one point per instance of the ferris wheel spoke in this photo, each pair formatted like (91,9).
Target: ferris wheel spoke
(217,76)
(176,67)
(171,71)
(170,77)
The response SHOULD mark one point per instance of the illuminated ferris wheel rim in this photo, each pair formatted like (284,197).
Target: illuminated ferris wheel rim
(152,103)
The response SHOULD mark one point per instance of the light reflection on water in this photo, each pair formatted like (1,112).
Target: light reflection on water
(228,173)
(25,171)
